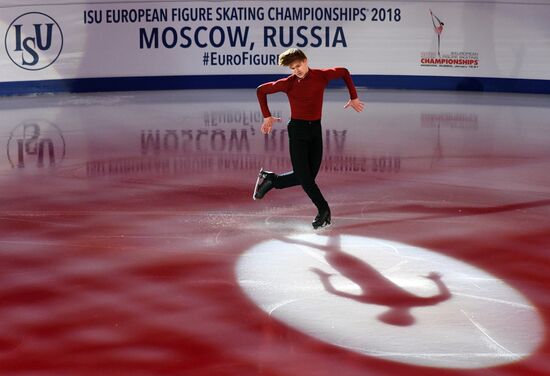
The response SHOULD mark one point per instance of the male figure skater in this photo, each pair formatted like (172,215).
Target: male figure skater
(304,88)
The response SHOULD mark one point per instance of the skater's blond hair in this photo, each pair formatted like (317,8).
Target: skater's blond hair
(290,56)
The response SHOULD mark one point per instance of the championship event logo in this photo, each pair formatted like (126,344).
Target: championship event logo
(451,59)
(34,41)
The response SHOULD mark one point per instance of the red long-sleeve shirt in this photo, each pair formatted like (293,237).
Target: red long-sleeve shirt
(305,95)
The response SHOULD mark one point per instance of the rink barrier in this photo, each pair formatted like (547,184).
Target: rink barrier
(82,85)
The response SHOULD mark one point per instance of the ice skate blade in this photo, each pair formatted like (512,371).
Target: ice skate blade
(324,225)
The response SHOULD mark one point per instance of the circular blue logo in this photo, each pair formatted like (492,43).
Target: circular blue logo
(34,41)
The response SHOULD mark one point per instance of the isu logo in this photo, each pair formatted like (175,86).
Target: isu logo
(34,41)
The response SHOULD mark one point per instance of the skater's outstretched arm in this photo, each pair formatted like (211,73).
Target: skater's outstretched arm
(261,93)
(270,88)
(343,73)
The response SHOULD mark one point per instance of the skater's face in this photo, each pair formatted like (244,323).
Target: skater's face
(299,68)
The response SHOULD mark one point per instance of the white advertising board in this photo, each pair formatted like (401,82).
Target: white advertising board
(150,39)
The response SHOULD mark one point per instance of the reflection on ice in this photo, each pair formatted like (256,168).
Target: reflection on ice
(175,132)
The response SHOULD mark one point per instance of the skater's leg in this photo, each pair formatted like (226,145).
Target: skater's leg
(286,180)
(316,151)
(301,147)
(323,217)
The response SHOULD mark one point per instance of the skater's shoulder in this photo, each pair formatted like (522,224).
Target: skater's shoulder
(287,79)
(315,71)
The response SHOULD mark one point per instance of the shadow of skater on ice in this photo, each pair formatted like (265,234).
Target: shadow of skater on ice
(375,287)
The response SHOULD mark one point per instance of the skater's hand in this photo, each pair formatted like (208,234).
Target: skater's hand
(356,104)
(268,124)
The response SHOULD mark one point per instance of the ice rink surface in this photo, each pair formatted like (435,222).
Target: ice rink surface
(130,243)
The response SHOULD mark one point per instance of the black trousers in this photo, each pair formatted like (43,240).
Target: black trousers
(306,153)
